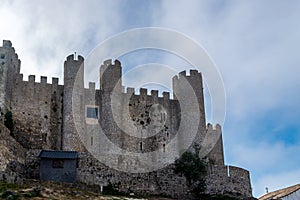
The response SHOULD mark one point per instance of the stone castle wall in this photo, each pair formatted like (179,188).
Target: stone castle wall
(228,180)
(44,118)
(220,180)
(162,182)
(37,113)
(9,70)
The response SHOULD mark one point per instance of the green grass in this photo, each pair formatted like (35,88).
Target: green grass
(14,192)
(8,186)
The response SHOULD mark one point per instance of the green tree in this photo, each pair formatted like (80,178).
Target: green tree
(194,169)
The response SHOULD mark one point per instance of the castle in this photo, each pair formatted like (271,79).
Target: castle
(101,124)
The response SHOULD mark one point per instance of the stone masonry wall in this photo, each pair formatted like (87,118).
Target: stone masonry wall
(9,69)
(73,102)
(228,180)
(162,182)
(37,113)
(12,157)
(91,173)
(220,180)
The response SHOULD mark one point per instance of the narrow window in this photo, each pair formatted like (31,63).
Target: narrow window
(92,141)
(141,146)
(164,147)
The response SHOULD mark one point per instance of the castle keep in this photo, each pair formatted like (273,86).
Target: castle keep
(68,117)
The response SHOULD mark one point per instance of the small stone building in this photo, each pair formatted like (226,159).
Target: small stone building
(58,166)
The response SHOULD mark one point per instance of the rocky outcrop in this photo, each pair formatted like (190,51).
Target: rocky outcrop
(12,157)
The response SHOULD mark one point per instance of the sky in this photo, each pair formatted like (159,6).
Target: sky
(254,44)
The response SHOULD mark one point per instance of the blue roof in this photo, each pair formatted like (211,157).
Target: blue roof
(59,154)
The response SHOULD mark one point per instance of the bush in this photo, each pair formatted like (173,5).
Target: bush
(110,189)
(194,169)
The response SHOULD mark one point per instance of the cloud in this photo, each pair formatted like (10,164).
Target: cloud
(44,33)
(275,182)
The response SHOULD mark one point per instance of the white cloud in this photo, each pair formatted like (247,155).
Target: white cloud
(276,181)
(44,33)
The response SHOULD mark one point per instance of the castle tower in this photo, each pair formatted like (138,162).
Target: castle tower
(181,85)
(212,148)
(110,76)
(110,81)
(73,104)
(9,70)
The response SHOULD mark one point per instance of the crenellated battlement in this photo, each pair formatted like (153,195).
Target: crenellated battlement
(32,79)
(154,93)
(183,74)
(143,93)
(55,81)
(92,86)
(217,127)
(44,79)
(166,95)
(109,62)
(130,91)
(72,58)
(7,43)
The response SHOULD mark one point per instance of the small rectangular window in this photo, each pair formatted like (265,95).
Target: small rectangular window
(2,56)
(92,112)
(58,163)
